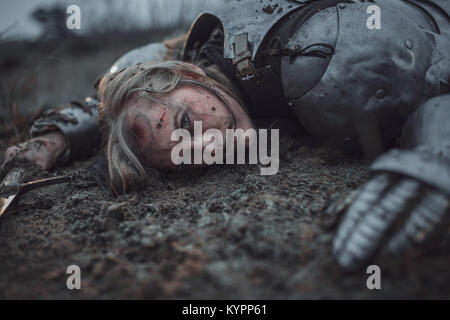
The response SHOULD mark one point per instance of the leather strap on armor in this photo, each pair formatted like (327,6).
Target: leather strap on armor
(243,55)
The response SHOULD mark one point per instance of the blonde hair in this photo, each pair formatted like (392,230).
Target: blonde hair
(151,80)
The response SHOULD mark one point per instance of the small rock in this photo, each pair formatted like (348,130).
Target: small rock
(117,211)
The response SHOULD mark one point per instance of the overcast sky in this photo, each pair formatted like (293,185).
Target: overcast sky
(15,14)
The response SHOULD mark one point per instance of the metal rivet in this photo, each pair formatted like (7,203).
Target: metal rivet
(409,44)
(341,6)
(380,94)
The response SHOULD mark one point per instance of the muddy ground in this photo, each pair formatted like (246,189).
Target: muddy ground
(216,233)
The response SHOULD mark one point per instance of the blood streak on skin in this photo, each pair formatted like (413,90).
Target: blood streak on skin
(162,120)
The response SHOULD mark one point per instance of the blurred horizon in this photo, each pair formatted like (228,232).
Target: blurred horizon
(17,22)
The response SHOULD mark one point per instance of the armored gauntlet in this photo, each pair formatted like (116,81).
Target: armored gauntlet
(406,202)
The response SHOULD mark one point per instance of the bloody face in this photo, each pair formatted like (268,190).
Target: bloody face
(152,123)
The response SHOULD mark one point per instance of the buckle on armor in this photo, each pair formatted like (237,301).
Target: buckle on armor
(242,61)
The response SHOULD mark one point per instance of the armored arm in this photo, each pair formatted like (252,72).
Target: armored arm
(79,120)
(425,146)
(79,124)
(406,202)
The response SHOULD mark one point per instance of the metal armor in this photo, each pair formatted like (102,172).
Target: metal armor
(387,73)
(78,122)
(406,202)
(329,66)
(150,52)
(352,84)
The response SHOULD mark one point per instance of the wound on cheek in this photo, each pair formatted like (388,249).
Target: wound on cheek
(164,117)
(162,120)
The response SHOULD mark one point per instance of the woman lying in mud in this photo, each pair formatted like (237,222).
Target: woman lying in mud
(350,85)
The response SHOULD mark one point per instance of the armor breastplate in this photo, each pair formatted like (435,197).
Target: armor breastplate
(313,50)
(250,28)
(384,73)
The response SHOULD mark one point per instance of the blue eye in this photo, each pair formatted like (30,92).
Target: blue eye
(185,122)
